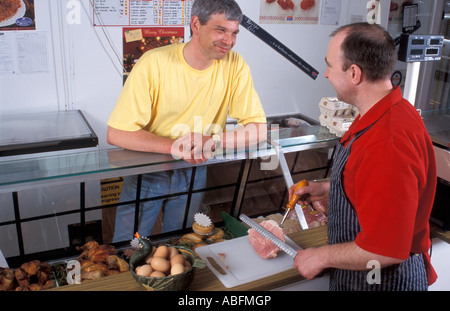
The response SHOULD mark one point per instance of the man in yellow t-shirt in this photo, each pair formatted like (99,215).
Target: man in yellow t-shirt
(176,101)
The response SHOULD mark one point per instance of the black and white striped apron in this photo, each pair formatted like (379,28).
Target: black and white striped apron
(343,226)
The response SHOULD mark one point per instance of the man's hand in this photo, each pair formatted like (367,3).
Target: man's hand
(307,263)
(314,191)
(193,148)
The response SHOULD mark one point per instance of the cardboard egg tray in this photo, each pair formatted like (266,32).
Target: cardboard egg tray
(336,115)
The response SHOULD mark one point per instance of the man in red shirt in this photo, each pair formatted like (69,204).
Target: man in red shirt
(383,180)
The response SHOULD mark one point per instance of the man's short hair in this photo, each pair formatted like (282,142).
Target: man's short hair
(205,8)
(370,47)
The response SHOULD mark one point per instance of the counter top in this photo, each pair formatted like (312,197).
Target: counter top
(205,280)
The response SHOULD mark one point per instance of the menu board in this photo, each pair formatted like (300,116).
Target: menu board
(142,12)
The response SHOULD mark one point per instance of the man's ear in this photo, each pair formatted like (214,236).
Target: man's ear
(195,24)
(356,74)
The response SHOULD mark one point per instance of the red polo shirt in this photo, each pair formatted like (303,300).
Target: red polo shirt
(390,179)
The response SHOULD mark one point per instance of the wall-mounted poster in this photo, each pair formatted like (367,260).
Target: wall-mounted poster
(142,13)
(137,41)
(17,15)
(289,12)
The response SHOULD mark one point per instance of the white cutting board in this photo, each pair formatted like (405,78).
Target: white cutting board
(241,263)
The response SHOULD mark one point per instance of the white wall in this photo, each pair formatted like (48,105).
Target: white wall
(283,87)
(85,64)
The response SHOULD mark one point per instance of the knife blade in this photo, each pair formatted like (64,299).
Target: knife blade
(269,235)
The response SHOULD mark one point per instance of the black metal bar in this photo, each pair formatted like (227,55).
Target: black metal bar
(241,186)
(188,201)
(236,189)
(18,222)
(295,162)
(82,213)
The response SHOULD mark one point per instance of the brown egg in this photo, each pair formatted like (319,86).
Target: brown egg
(173,251)
(162,251)
(144,270)
(177,259)
(177,268)
(157,274)
(148,259)
(160,264)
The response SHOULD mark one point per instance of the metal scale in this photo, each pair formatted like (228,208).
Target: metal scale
(415,49)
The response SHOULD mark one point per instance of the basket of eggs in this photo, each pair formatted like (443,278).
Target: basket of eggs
(163,268)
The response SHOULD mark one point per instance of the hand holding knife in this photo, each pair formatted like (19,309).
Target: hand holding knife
(294,199)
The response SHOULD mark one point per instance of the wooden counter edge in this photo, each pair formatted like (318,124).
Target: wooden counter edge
(205,280)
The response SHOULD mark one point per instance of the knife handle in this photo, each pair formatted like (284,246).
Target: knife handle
(294,199)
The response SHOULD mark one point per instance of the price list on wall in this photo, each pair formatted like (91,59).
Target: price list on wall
(141,12)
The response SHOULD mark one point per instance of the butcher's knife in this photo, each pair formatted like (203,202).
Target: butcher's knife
(269,235)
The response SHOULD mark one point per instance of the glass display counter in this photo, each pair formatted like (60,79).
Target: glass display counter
(254,181)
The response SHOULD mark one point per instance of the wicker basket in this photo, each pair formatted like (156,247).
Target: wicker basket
(176,282)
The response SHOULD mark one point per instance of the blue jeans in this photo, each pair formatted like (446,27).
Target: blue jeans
(154,185)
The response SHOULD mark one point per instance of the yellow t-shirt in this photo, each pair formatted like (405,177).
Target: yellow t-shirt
(167,97)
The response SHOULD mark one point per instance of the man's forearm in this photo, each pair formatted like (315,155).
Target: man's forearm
(243,136)
(350,256)
(139,140)
(312,261)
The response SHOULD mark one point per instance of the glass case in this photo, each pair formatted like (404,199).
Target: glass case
(43,132)
(51,204)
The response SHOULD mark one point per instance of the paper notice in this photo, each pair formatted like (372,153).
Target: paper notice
(7,53)
(133,35)
(32,52)
(331,12)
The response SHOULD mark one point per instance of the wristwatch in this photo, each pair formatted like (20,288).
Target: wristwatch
(216,139)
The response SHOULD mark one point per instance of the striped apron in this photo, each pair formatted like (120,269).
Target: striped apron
(343,226)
